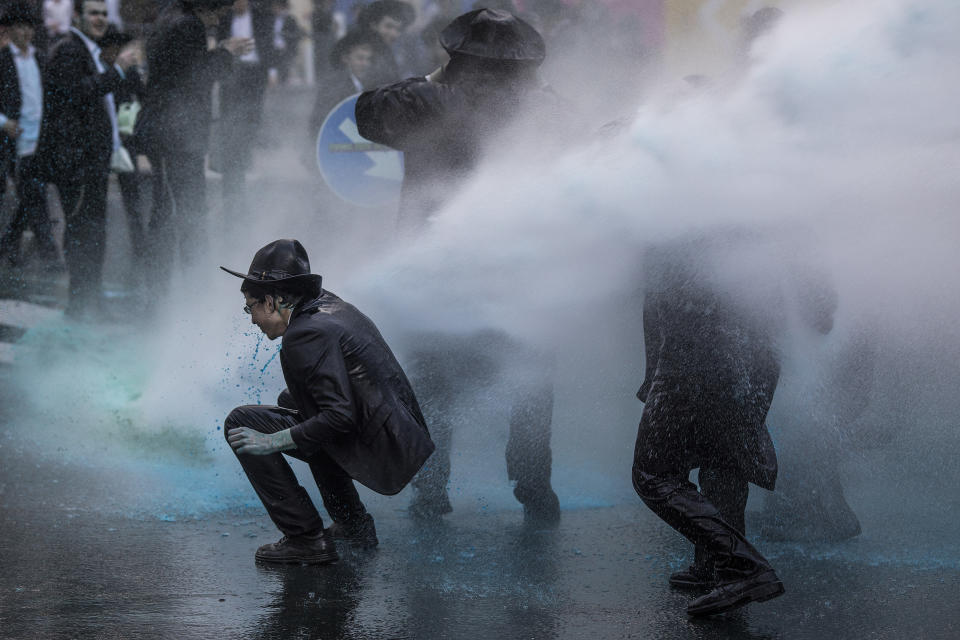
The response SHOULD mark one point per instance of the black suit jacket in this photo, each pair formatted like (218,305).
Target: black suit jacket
(76,135)
(355,401)
(11,99)
(177,110)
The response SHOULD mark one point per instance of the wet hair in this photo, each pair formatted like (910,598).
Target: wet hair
(78,5)
(289,296)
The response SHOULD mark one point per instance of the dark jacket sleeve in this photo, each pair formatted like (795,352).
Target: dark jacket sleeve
(395,114)
(68,74)
(315,359)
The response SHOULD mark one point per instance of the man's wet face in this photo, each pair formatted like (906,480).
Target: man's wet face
(389,29)
(93,20)
(264,314)
(358,60)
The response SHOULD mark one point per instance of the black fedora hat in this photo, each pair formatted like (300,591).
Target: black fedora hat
(280,262)
(494,35)
(20,13)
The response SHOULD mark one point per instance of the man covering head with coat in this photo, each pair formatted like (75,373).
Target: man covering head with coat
(348,411)
(444,124)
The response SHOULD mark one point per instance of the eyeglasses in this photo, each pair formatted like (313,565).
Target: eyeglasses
(95,12)
(248,308)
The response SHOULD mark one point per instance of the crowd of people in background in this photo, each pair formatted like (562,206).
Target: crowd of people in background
(158,93)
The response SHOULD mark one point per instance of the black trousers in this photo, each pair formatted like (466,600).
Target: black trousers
(288,503)
(670,443)
(31,210)
(178,215)
(241,109)
(447,371)
(84,200)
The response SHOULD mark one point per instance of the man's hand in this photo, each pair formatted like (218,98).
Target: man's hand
(237,46)
(128,57)
(244,440)
(12,129)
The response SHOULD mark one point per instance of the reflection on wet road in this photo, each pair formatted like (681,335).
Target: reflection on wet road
(70,571)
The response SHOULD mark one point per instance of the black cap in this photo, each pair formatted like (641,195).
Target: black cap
(494,35)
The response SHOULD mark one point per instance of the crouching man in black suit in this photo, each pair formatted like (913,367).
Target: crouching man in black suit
(348,411)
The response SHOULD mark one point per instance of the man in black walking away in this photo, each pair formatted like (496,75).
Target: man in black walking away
(712,368)
(348,411)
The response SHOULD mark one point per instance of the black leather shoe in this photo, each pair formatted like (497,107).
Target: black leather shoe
(542,509)
(361,534)
(694,578)
(299,550)
(761,586)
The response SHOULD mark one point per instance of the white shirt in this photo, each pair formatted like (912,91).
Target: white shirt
(31,92)
(242,27)
(278,41)
(107,99)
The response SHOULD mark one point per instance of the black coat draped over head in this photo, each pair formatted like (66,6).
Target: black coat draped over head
(443,128)
(357,404)
(712,358)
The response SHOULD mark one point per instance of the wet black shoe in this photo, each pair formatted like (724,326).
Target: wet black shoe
(361,534)
(299,550)
(542,510)
(759,587)
(694,578)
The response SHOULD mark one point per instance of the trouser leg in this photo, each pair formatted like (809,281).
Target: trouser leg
(274,482)
(667,432)
(727,490)
(32,205)
(189,191)
(85,209)
(528,452)
(678,503)
(337,490)
(436,392)
(129,184)
(30,212)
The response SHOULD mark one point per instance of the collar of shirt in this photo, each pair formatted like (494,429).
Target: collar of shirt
(17,53)
(90,44)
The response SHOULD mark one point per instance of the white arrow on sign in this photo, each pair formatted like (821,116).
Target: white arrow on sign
(386,164)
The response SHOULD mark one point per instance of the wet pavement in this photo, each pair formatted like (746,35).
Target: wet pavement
(72,569)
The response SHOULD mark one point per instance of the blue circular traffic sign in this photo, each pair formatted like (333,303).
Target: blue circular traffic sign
(356,169)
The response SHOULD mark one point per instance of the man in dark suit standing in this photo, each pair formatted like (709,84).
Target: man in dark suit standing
(241,99)
(77,138)
(21,110)
(174,126)
(348,411)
